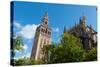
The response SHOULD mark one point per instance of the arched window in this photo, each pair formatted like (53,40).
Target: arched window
(49,33)
(46,22)
(46,31)
(42,30)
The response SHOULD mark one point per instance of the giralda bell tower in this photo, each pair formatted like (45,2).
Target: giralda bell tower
(42,37)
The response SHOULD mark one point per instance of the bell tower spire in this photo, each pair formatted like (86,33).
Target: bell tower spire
(42,38)
(45,19)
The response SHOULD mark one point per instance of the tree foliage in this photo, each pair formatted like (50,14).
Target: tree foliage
(48,51)
(18,43)
(91,55)
(27,61)
(69,50)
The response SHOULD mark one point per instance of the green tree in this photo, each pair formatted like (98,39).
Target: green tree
(20,61)
(69,50)
(48,51)
(17,44)
(27,61)
(72,48)
(91,55)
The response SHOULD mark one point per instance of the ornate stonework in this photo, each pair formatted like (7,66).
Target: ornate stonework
(42,37)
(85,33)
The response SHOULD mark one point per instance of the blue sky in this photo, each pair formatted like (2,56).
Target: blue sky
(28,15)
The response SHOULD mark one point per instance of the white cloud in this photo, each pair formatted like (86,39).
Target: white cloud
(25,47)
(17,25)
(17,51)
(55,29)
(28,31)
(19,57)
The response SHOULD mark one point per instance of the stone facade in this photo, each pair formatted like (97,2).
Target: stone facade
(42,37)
(85,33)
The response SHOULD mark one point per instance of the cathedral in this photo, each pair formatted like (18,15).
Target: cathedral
(86,33)
(42,37)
